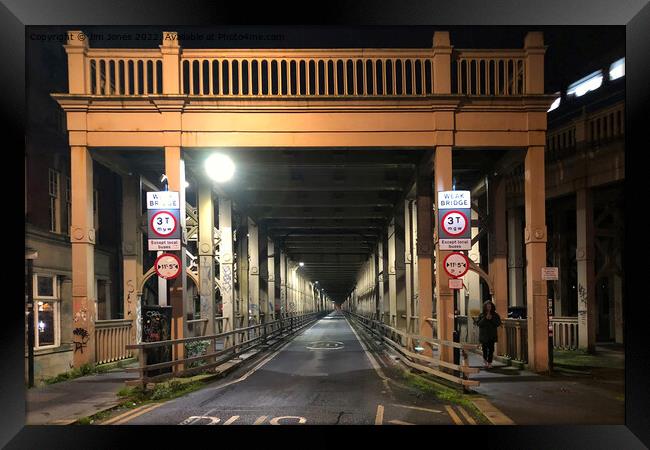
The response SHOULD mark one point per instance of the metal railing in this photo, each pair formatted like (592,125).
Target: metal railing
(565,333)
(406,343)
(112,338)
(234,343)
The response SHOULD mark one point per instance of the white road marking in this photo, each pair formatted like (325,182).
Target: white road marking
(194,419)
(379,418)
(399,422)
(231,420)
(419,408)
(373,362)
(260,420)
(276,420)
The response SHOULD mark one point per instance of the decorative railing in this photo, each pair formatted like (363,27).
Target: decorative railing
(606,124)
(123,72)
(301,73)
(489,72)
(312,72)
(111,339)
(565,333)
(516,332)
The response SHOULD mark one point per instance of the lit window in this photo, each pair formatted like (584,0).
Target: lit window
(589,83)
(46,311)
(555,104)
(617,69)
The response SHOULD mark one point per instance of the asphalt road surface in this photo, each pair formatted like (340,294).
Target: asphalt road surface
(324,376)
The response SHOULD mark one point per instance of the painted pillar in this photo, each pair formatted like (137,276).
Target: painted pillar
(472,282)
(76,49)
(587,312)
(444,295)
(380,280)
(271,277)
(408,261)
(132,253)
(535,240)
(424,246)
(175,171)
(515,258)
(392,285)
(283,284)
(400,270)
(226,266)
(498,264)
(253,272)
(242,264)
(206,255)
(441,63)
(82,237)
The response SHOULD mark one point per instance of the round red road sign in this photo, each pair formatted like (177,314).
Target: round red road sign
(456,264)
(167,266)
(454,223)
(163,223)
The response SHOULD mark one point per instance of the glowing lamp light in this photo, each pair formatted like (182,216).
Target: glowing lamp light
(617,69)
(219,167)
(301,264)
(555,104)
(589,83)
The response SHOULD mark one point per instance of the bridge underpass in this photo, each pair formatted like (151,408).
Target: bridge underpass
(332,198)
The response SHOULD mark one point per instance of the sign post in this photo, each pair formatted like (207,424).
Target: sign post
(550,274)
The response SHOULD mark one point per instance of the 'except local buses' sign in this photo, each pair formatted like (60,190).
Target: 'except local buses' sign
(456,264)
(454,220)
(164,219)
(167,266)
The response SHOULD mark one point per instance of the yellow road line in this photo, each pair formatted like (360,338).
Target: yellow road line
(466,415)
(399,422)
(379,418)
(495,416)
(120,420)
(124,414)
(453,415)
(260,420)
(231,420)
(419,408)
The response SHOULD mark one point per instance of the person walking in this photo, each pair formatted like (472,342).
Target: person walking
(488,322)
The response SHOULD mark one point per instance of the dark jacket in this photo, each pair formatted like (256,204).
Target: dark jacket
(487,328)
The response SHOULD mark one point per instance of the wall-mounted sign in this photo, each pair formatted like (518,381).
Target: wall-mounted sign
(163,200)
(550,273)
(167,266)
(454,220)
(456,264)
(455,283)
(164,221)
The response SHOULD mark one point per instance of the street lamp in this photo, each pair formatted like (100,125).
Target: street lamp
(219,167)
(301,264)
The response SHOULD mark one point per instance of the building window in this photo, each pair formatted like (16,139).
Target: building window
(46,311)
(54,206)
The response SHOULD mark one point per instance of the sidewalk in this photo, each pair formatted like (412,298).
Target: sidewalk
(68,401)
(583,389)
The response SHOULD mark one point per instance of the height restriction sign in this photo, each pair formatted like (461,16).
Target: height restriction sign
(456,264)
(454,220)
(167,266)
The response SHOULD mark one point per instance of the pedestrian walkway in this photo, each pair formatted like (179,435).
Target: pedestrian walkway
(582,389)
(68,401)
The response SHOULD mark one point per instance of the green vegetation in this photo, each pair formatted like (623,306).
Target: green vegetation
(427,385)
(578,359)
(86,369)
(196,348)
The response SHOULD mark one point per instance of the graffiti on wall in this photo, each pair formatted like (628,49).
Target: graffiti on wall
(81,338)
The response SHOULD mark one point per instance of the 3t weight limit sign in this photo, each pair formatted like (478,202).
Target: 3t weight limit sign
(454,223)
